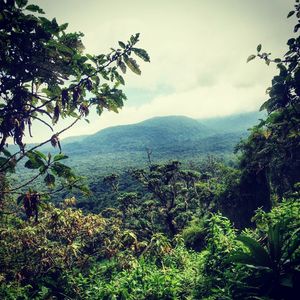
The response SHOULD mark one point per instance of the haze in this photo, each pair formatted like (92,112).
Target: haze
(198,53)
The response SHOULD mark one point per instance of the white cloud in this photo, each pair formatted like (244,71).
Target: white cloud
(198,50)
(200,102)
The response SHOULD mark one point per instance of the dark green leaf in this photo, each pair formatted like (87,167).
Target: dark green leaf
(34,8)
(259,48)
(59,157)
(142,54)
(275,242)
(49,180)
(20,199)
(258,252)
(21,3)
(242,258)
(63,26)
(34,161)
(119,78)
(251,57)
(122,45)
(264,106)
(6,152)
(122,67)
(43,169)
(41,155)
(291,41)
(60,169)
(32,164)
(290,13)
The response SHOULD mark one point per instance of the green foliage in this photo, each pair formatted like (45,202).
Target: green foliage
(36,254)
(274,258)
(272,149)
(174,192)
(195,234)
(218,274)
(45,76)
(144,279)
(14,291)
(164,237)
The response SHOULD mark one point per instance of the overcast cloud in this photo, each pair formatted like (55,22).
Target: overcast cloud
(198,53)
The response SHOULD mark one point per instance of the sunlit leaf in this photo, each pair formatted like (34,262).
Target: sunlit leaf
(132,65)
(142,54)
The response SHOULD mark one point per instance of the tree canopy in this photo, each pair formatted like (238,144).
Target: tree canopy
(46,76)
(202,230)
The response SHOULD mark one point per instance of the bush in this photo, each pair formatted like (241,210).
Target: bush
(174,277)
(194,235)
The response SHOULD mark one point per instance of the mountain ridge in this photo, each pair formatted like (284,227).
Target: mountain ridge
(224,124)
(167,134)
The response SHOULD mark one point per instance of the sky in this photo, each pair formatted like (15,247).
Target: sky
(198,51)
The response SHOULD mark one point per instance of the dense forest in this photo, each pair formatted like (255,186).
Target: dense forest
(220,222)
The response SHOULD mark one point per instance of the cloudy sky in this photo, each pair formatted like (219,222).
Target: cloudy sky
(198,51)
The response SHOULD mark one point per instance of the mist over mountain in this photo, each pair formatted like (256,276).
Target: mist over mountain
(170,134)
(233,123)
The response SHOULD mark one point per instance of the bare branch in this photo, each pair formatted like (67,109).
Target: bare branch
(44,122)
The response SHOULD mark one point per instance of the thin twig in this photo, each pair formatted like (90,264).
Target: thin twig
(44,122)
(26,183)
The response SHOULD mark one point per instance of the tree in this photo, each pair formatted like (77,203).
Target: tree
(272,151)
(174,193)
(45,77)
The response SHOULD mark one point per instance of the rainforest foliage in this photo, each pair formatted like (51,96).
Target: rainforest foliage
(171,230)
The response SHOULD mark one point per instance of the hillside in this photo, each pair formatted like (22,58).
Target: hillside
(158,133)
(166,136)
(118,148)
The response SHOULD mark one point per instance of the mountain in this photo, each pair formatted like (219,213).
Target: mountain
(74,139)
(162,134)
(119,148)
(170,137)
(159,132)
(233,123)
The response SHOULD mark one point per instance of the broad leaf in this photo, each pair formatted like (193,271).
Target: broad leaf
(49,180)
(59,157)
(20,199)
(132,65)
(34,8)
(6,152)
(260,255)
(251,57)
(41,155)
(122,67)
(142,54)
(258,48)
(122,45)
